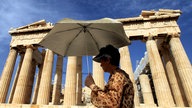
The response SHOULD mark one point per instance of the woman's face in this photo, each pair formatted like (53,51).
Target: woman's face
(105,64)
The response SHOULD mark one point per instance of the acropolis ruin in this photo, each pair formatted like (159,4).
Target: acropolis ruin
(162,79)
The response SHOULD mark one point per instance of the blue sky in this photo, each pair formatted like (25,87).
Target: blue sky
(16,13)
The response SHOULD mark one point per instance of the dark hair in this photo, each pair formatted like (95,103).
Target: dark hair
(108,52)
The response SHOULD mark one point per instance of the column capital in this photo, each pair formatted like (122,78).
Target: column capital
(15,48)
(174,35)
(31,46)
(151,37)
(49,50)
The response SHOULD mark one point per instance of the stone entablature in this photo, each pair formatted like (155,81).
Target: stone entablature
(154,23)
(30,34)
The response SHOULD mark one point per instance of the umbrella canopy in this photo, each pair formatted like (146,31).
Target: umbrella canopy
(77,38)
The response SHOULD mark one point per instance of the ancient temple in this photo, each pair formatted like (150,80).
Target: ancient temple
(163,80)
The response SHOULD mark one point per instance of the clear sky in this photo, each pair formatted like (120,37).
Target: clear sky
(16,13)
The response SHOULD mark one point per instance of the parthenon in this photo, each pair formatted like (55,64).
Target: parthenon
(162,79)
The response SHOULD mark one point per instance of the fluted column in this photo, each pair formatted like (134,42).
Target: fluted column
(16,78)
(45,82)
(24,78)
(57,81)
(38,78)
(98,75)
(172,78)
(183,66)
(161,85)
(31,80)
(71,82)
(146,90)
(79,81)
(7,74)
(36,89)
(126,65)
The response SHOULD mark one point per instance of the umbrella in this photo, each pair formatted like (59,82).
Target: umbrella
(77,38)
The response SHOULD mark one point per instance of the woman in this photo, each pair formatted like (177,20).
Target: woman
(118,92)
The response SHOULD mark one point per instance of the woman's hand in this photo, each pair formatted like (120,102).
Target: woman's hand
(89,81)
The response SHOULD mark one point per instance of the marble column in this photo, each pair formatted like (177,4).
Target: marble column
(79,81)
(172,78)
(20,94)
(57,81)
(162,89)
(43,96)
(126,65)
(183,66)
(70,82)
(146,90)
(7,74)
(30,83)
(98,75)
(16,78)
(38,78)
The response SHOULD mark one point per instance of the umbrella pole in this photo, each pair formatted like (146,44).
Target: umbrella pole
(87,60)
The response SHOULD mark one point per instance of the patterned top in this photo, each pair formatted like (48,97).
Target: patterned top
(119,86)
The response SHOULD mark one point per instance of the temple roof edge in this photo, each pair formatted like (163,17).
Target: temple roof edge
(152,14)
(35,26)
